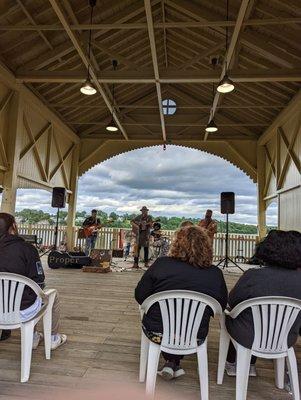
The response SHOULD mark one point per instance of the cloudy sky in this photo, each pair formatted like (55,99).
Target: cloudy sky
(175,182)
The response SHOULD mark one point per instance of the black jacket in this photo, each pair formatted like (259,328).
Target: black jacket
(167,273)
(19,257)
(259,282)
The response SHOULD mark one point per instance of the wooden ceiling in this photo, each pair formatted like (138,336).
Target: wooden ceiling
(164,50)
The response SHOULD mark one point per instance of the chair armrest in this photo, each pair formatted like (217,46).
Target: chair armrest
(141,311)
(38,314)
(48,292)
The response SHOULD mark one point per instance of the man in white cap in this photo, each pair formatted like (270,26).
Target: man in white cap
(141,227)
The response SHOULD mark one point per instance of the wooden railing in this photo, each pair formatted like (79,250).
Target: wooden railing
(240,245)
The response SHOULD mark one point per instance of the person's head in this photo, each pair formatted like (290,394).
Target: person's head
(183,224)
(208,214)
(144,210)
(94,213)
(280,249)
(192,245)
(8,224)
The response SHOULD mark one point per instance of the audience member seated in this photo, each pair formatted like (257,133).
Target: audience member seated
(19,257)
(281,276)
(188,267)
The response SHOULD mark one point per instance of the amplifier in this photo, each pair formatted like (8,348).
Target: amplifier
(100,256)
(117,253)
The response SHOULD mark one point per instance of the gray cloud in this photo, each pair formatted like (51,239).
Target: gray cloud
(178,181)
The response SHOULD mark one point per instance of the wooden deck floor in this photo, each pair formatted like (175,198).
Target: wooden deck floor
(100,317)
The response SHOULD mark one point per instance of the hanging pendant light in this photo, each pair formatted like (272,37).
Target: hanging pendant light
(112,127)
(226,85)
(87,87)
(211,126)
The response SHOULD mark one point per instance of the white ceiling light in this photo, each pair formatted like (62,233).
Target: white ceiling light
(226,85)
(211,127)
(88,88)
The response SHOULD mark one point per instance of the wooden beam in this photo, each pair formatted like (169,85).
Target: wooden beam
(241,157)
(35,140)
(290,155)
(36,151)
(167,76)
(157,25)
(293,106)
(290,146)
(230,53)
(151,34)
(78,47)
(179,106)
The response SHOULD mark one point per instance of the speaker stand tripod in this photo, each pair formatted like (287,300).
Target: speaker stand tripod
(224,262)
(56,232)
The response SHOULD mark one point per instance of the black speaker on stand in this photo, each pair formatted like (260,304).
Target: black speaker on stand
(227,207)
(58,201)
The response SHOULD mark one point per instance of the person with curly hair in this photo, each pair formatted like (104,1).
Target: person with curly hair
(280,253)
(188,266)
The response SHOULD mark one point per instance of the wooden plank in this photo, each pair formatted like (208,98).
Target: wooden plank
(100,317)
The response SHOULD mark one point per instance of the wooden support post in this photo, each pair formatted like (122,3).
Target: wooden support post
(261,204)
(72,199)
(13,151)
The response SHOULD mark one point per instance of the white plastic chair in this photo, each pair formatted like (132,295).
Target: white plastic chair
(11,292)
(182,312)
(273,319)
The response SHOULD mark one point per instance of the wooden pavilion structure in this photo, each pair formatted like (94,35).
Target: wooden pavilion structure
(50,133)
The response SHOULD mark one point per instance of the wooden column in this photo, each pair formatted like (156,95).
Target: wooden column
(15,131)
(72,199)
(261,203)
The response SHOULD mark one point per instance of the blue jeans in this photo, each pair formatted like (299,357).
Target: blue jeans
(127,250)
(90,244)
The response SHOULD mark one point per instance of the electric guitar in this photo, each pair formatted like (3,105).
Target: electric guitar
(89,230)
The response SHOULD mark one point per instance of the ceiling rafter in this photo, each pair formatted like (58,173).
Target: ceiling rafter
(170,75)
(151,34)
(65,47)
(78,47)
(230,53)
(157,25)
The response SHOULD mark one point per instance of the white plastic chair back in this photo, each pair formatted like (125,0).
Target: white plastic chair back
(11,291)
(273,319)
(182,312)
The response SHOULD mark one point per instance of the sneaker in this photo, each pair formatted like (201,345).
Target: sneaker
(135,266)
(167,372)
(37,337)
(231,369)
(178,371)
(58,340)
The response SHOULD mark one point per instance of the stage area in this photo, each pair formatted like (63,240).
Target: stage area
(101,319)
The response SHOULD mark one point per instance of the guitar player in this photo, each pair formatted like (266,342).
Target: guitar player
(91,226)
